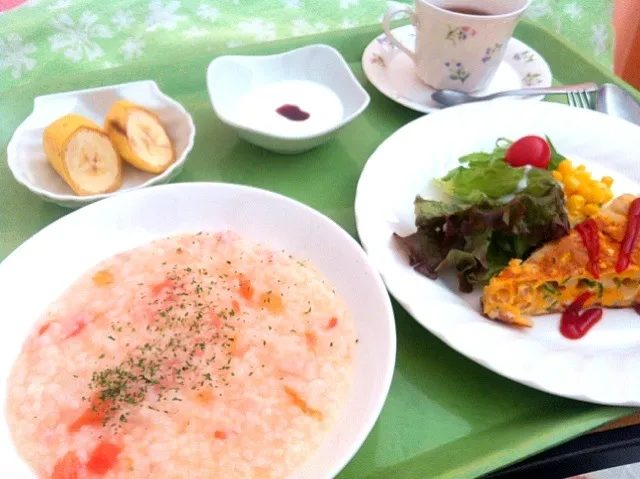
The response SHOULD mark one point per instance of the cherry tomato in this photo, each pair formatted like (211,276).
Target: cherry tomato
(529,150)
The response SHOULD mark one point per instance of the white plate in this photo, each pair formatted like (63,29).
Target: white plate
(43,267)
(602,367)
(392,72)
(28,162)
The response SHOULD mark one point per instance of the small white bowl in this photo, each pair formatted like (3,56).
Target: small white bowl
(28,162)
(246,91)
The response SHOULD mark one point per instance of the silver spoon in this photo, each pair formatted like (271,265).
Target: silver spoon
(455,97)
(615,101)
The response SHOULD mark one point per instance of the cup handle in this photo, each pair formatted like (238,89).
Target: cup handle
(388,16)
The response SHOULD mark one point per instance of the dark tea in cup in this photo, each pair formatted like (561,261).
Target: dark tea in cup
(466,10)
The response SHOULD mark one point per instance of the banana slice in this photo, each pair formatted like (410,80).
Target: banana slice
(139,137)
(83,155)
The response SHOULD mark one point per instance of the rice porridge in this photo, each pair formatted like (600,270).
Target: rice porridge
(197,356)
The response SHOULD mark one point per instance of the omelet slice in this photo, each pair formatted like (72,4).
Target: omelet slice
(556,274)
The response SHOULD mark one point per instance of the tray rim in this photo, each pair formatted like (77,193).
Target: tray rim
(548,433)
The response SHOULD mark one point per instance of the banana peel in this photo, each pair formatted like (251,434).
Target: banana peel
(83,155)
(139,137)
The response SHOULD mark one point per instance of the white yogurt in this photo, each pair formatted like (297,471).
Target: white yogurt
(257,108)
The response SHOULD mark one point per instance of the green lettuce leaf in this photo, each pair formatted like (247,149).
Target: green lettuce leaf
(487,177)
(426,210)
(479,241)
(556,158)
(481,182)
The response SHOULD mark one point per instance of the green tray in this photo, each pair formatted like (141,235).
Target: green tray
(446,417)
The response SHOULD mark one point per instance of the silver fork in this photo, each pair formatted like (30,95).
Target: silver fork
(580,99)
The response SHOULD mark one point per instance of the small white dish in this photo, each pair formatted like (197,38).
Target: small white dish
(599,368)
(247,91)
(28,162)
(393,73)
(31,277)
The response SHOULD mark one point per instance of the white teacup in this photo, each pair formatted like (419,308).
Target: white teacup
(459,43)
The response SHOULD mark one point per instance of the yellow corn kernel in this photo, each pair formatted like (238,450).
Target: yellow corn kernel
(571,184)
(590,209)
(565,167)
(593,194)
(600,185)
(607,180)
(575,203)
(557,175)
(582,189)
(608,196)
(582,175)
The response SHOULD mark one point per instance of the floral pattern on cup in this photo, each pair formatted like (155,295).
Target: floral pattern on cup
(525,56)
(459,34)
(531,79)
(489,52)
(457,71)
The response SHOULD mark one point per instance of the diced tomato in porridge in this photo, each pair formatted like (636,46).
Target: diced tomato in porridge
(69,467)
(194,356)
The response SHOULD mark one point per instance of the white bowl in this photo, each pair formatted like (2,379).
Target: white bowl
(31,277)
(316,78)
(28,162)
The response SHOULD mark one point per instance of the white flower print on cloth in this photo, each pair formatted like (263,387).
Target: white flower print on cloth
(599,39)
(60,5)
(163,15)
(76,39)
(132,48)
(208,12)
(397,8)
(262,31)
(348,23)
(301,27)
(196,32)
(539,9)
(347,3)
(573,10)
(234,43)
(15,55)
(123,20)
(293,4)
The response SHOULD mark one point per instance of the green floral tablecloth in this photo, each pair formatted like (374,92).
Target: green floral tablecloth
(44,38)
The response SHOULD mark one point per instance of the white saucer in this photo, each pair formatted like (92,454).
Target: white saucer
(392,72)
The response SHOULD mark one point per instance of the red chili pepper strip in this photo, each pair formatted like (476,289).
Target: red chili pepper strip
(630,236)
(588,230)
